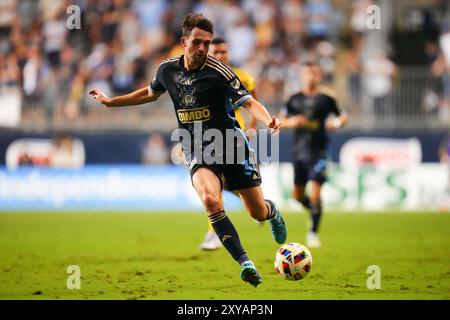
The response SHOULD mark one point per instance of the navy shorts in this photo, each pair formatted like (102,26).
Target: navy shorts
(235,176)
(314,170)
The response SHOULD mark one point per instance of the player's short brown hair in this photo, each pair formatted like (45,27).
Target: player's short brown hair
(218,40)
(196,20)
(309,63)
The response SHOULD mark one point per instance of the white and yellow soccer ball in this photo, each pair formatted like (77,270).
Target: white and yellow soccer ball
(293,261)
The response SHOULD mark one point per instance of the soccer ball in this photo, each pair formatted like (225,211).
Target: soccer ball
(293,261)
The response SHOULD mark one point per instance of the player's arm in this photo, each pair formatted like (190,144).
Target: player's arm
(249,83)
(260,113)
(297,121)
(240,97)
(293,122)
(341,118)
(252,122)
(337,122)
(140,96)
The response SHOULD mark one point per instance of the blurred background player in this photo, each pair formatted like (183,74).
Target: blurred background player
(308,112)
(219,50)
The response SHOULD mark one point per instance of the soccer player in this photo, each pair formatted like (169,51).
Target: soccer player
(204,92)
(308,112)
(219,50)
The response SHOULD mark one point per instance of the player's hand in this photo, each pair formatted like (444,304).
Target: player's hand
(274,125)
(100,97)
(333,124)
(300,120)
(250,133)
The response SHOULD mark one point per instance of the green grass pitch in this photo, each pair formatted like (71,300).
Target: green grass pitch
(156,256)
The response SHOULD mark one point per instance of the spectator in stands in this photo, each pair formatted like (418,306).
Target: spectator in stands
(9,71)
(353,67)
(62,154)
(319,14)
(441,69)
(151,14)
(25,160)
(379,72)
(55,35)
(99,67)
(31,71)
(122,42)
(7,15)
(241,40)
(155,151)
(358,18)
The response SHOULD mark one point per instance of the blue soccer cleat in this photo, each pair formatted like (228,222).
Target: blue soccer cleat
(277,225)
(250,274)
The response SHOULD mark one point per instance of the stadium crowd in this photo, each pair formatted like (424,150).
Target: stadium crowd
(121,42)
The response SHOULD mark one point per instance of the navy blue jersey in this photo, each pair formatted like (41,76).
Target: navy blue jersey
(206,96)
(311,142)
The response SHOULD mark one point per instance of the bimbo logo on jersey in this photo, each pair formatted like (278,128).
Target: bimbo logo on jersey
(191,115)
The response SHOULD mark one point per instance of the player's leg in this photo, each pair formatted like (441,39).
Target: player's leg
(208,186)
(315,196)
(301,173)
(299,194)
(246,179)
(314,210)
(262,209)
(312,237)
(317,178)
(211,240)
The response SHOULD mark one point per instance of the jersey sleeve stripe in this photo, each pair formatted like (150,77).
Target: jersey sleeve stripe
(217,66)
(155,91)
(239,102)
(219,70)
(222,66)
